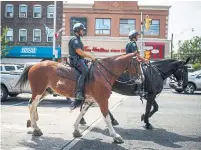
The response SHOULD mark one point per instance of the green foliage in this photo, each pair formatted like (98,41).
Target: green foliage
(190,48)
(197,66)
(5,45)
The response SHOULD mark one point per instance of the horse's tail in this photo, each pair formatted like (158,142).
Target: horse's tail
(24,77)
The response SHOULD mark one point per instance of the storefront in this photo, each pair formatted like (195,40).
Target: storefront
(23,54)
(102,47)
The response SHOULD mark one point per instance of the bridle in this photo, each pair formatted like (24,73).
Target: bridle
(173,78)
(131,78)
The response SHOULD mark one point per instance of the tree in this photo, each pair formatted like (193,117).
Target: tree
(190,48)
(5,45)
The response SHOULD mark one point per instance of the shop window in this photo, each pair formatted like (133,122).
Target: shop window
(103,27)
(126,25)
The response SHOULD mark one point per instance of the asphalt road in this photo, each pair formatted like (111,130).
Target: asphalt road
(177,125)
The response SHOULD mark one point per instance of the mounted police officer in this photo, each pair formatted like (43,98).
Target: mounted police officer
(132,47)
(77,55)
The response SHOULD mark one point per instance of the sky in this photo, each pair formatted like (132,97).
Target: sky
(183,16)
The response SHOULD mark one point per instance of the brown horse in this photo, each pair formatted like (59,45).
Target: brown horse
(104,73)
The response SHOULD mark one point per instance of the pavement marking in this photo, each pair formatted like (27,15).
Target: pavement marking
(70,144)
(5,107)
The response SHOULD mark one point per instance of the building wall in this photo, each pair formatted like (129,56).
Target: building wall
(31,23)
(115,10)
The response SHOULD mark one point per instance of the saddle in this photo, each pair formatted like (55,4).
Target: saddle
(69,72)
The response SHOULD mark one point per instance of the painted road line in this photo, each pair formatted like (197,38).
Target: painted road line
(6,107)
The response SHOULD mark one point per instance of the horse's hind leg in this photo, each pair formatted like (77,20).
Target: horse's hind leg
(113,120)
(104,109)
(36,113)
(155,108)
(42,97)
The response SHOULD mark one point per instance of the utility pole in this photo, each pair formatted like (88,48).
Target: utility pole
(171,45)
(55,53)
(142,32)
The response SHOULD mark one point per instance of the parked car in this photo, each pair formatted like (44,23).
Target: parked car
(194,83)
(9,79)
(6,68)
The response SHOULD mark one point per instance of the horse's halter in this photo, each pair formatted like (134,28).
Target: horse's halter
(180,82)
(116,76)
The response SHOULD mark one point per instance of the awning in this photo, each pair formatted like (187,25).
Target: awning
(19,60)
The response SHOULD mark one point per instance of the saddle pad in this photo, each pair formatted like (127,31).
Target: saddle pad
(67,72)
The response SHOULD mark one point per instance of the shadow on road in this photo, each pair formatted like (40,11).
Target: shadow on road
(86,144)
(157,135)
(44,142)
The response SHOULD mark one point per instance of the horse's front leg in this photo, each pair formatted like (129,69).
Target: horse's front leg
(155,108)
(76,132)
(145,117)
(104,109)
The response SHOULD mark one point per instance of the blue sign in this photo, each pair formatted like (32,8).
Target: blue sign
(33,52)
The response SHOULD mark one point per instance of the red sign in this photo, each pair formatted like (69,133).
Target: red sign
(95,49)
(157,51)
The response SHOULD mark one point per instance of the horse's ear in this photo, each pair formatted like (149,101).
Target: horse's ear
(187,60)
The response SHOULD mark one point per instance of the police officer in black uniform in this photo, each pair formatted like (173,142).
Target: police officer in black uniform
(131,47)
(77,55)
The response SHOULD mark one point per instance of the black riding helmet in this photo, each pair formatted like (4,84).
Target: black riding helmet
(78,26)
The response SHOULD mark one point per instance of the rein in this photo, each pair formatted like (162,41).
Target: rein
(112,74)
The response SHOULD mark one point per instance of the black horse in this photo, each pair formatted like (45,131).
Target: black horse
(155,74)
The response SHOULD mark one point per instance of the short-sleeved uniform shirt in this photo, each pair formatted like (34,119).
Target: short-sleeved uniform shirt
(75,43)
(131,47)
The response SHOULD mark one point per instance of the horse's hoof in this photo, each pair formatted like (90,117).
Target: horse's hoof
(115,123)
(118,139)
(28,123)
(82,121)
(37,133)
(142,117)
(77,134)
(149,126)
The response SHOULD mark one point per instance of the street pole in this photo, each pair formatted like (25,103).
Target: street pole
(142,50)
(54,31)
(171,45)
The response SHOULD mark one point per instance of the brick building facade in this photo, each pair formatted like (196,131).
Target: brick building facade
(26,19)
(109,22)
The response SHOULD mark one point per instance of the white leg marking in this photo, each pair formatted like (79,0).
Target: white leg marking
(82,113)
(109,125)
(33,107)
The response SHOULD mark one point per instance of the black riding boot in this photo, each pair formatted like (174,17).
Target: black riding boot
(79,97)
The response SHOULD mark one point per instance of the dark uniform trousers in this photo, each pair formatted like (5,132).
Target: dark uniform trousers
(83,69)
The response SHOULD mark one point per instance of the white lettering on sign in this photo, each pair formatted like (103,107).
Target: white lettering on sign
(31,50)
(155,51)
